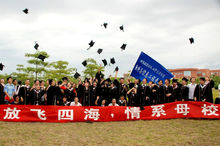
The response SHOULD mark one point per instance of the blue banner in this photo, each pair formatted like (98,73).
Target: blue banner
(147,67)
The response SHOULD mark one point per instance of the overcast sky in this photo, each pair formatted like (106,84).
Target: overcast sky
(160,28)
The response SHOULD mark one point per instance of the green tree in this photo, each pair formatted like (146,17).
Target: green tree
(92,68)
(38,66)
(21,73)
(59,69)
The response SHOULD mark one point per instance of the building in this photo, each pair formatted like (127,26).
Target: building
(193,72)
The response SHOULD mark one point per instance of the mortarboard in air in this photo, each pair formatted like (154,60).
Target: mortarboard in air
(65,78)
(41,57)
(184,79)
(123,47)
(76,75)
(191,40)
(121,28)
(91,44)
(1,66)
(99,51)
(105,25)
(104,62)
(84,63)
(112,60)
(36,46)
(116,69)
(25,11)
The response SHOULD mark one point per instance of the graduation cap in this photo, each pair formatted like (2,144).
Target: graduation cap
(99,51)
(84,63)
(105,25)
(121,28)
(76,75)
(1,66)
(112,60)
(41,57)
(184,79)
(191,40)
(104,62)
(65,78)
(25,11)
(116,69)
(202,78)
(36,46)
(174,81)
(91,44)
(123,47)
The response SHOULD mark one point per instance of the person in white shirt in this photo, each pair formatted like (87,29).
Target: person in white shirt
(192,87)
(113,103)
(75,102)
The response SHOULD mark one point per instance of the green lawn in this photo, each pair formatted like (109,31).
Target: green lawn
(154,132)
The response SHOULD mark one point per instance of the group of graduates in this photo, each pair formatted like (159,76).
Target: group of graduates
(103,92)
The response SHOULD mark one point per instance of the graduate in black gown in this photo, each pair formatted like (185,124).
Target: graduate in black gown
(36,95)
(86,94)
(168,91)
(95,94)
(24,93)
(105,91)
(51,93)
(184,90)
(132,97)
(209,85)
(122,88)
(160,93)
(176,90)
(202,91)
(153,92)
(113,92)
(144,93)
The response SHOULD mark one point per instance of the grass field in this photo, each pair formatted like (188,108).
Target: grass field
(156,132)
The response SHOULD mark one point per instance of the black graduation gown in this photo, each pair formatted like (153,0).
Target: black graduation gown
(203,93)
(113,93)
(132,99)
(176,94)
(86,97)
(143,92)
(105,94)
(24,92)
(209,95)
(184,93)
(168,90)
(35,97)
(2,94)
(51,95)
(161,95)
(153,95)
(80,92)
(94,92)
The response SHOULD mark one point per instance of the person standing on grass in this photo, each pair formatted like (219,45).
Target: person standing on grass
(192,87)
(184,90)
(9,90)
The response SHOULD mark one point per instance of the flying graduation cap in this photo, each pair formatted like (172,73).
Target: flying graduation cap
(105,25)
(121,28)
(1,66)
(123,47)
(41,57)
(36,46)
(99,51)
(76,75)
(112,60)
(191,40)
(116,69)
(25,11)
(84,63)
(91,44)
(104,62)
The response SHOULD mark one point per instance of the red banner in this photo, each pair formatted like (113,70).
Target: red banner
(31,113)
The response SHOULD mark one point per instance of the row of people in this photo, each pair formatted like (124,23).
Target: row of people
(95,92)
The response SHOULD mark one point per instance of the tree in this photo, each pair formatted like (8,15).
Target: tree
(59,70)
(21,73)
(92,68)
(39,66)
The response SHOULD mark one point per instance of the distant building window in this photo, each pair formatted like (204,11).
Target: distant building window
(187,73)
(203,74)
